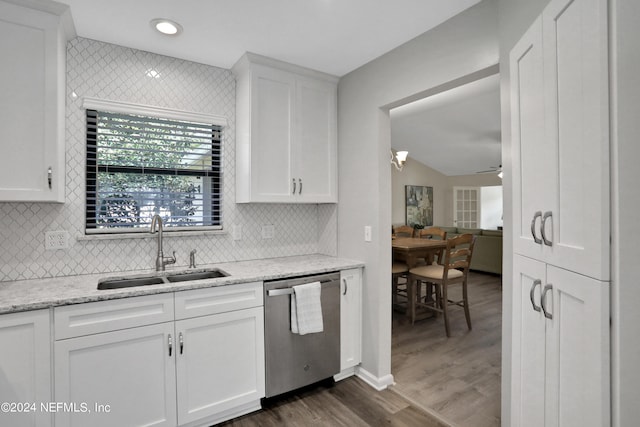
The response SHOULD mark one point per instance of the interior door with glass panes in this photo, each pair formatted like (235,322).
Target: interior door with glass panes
(466,207)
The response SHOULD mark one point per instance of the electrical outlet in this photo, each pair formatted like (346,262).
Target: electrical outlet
(236,231)
(268,231)
(56,240)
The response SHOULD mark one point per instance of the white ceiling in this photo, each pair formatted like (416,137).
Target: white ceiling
(334,36)
(456,132)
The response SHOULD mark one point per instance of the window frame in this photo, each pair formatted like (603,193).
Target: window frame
(157,112)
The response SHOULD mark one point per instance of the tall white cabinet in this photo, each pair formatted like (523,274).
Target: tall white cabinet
(560,131)
(32,107)
(286,133)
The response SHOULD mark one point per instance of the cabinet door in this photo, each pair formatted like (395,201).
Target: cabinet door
(220,363)
(528,344)
(125,378)
(577,117)
(25,367)
(350,318)
(272,115)
(533,166)
(578,379)
(315,144)
(32,79)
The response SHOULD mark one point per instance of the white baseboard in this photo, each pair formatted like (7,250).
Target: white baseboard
(379,383)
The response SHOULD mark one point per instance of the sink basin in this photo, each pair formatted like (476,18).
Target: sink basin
(195,275)
(129,282)
(160,278)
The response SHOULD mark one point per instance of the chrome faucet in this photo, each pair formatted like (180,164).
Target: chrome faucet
(161,260)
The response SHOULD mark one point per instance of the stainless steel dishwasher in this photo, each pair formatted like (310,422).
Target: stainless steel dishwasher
(293,360)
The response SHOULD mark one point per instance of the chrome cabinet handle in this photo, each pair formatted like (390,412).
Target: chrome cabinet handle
(170,345)
(346,286)
(294,186)
(50,176)
(300,182)
(181,341)
(533,227)
(531,296)
(546,216)
(543,301)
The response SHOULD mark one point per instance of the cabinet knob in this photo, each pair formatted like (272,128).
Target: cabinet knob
(294,186)
(533,227)
(181,341)
(170,345)
(346,286)
(50,176)
(300,182)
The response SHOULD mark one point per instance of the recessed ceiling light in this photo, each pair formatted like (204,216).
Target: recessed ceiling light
(166,26)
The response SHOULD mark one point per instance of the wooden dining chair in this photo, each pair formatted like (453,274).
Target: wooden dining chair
(433,233)
(403,231)
(453,270)
(399,270)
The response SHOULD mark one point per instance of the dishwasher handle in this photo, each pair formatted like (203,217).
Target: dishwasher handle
(277,292)
(289,290)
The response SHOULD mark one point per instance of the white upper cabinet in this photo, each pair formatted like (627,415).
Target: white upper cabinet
(286,133)
(32,108)
(559,101)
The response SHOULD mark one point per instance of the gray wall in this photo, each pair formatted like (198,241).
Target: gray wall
(625,295)
(443,57)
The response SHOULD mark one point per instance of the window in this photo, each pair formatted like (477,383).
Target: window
(139,166)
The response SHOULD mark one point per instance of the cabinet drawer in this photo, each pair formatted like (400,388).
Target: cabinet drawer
(91,318)
(202,302)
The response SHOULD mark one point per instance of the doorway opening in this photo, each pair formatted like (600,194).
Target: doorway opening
(451,137)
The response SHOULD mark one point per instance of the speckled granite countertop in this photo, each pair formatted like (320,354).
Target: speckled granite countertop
(35,294)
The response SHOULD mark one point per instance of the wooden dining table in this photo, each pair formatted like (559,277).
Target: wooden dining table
(412,249)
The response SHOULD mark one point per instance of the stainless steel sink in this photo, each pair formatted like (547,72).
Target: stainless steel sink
(159,279)
(196,275)
(129,282)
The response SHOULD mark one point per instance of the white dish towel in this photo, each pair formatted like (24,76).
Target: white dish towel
(306,309)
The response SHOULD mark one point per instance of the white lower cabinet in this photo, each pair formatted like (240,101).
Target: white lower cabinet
(123,378)
(220,365)
(350,319)
(194,371)
(25,370)
(560,361)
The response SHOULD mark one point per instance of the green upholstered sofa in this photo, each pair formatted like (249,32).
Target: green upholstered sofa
(487,254)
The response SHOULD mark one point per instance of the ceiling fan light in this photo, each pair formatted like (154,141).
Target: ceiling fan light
(166,26)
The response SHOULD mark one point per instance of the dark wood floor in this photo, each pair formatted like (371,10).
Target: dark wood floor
(440,381)
(456,378)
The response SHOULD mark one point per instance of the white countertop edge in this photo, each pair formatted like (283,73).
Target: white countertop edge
(36,294)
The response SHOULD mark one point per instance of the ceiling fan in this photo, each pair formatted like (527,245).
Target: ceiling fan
(492,169)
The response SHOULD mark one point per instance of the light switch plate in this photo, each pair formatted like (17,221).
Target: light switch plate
(367,233)
(56,240)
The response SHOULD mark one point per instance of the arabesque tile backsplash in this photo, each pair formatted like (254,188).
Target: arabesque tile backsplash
(111,72)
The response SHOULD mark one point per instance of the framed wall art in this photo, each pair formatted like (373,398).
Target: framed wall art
(419,205)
